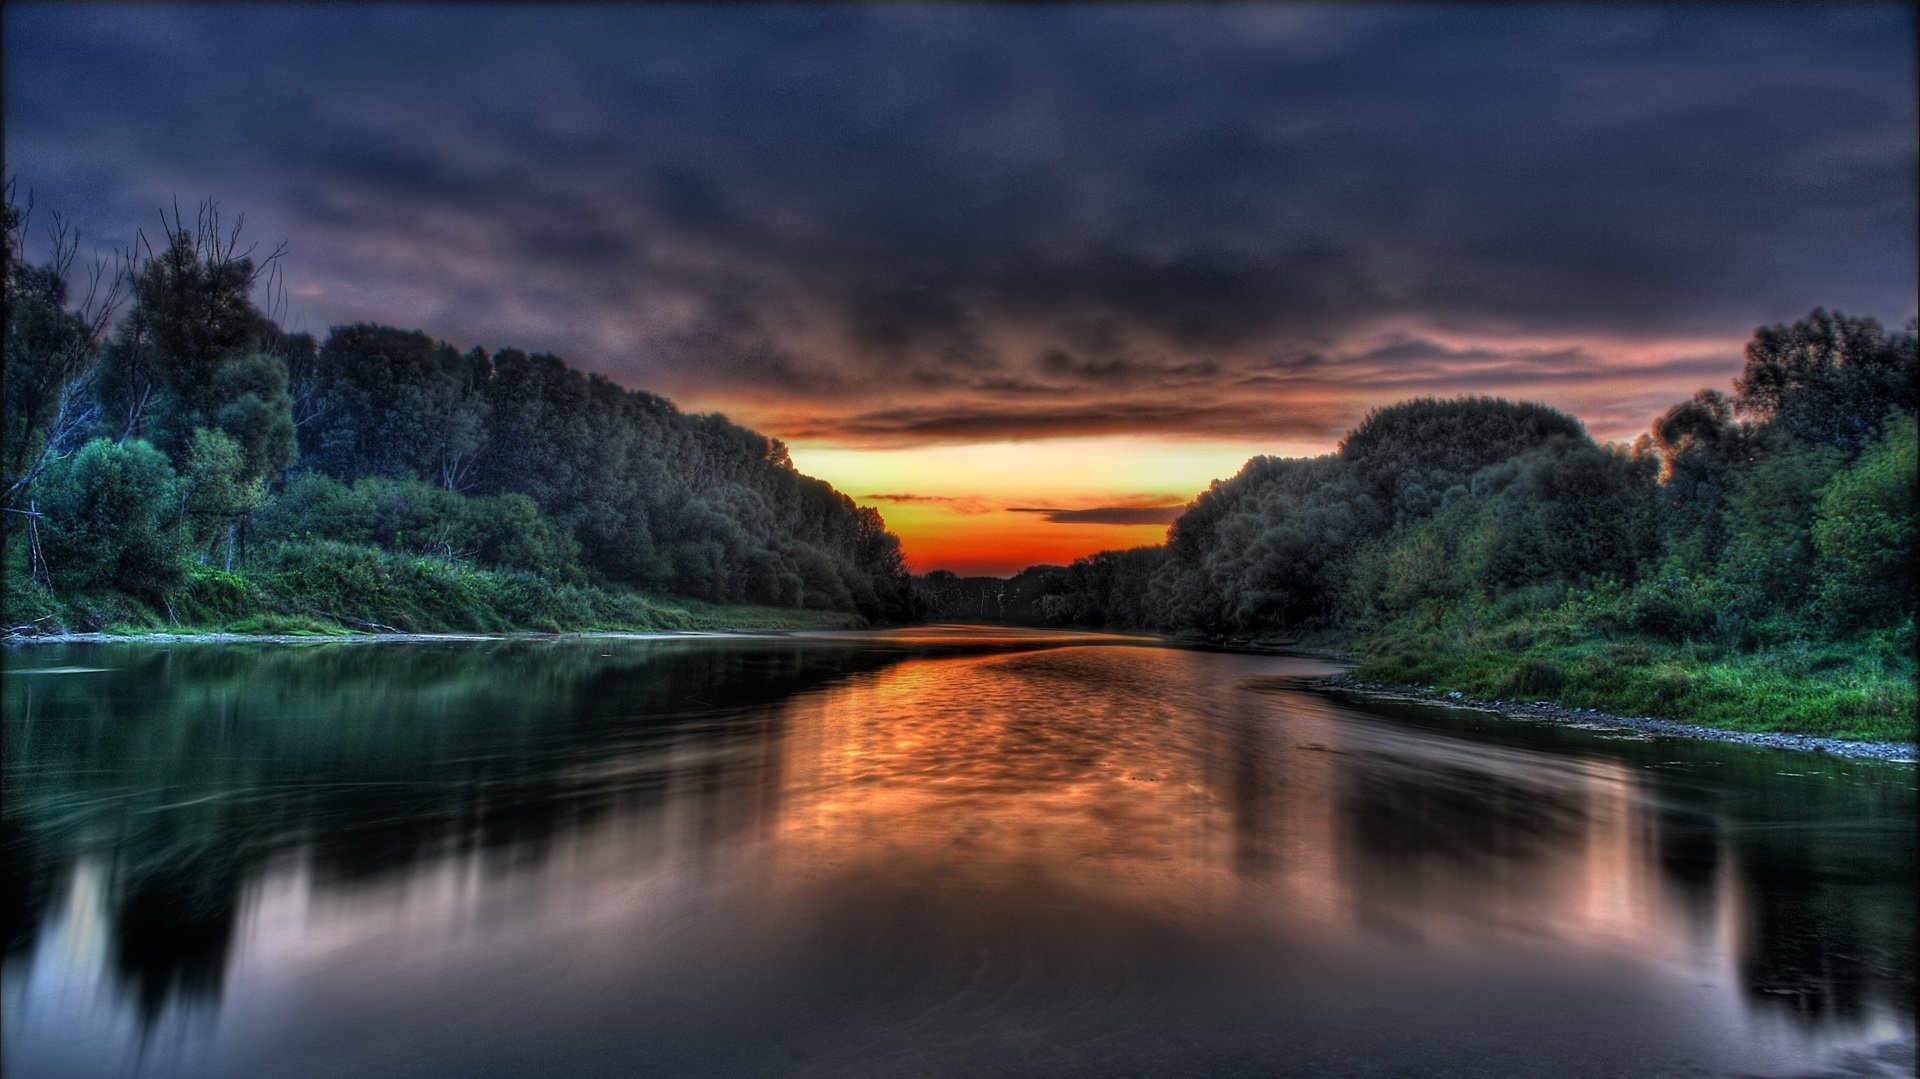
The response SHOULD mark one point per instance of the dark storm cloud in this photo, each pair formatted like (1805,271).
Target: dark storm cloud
(917,223)
(971,421)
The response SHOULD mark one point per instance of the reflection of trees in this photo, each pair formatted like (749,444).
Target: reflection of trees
(1828,927)
(1404,824)
(194,766)
(1824,908)
(173,924)
(1823,900)
(29,871)
(1688,844)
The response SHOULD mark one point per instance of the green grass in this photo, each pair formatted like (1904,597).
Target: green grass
(747,616)
(1862,688)
(328,589)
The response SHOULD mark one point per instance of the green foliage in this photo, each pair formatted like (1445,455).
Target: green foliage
(112,519)
(387,402)
(506,531)
(1829,379)
(1412,452)
(1682,607)
(513,461)
(193,310)
(1441,559)
(1569,510)
(1700,448)
(1863,533)
(1494,546)
(692,505)
(256,412)
(1266,547)
(1768,562)
(368,588)
(218,486)
(1796,688)
(331,588)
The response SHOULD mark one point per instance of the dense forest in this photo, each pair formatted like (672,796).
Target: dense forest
(1748,560)
(173,456)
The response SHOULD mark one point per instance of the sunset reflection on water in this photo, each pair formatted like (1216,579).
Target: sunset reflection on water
(942,853)
(1142,777)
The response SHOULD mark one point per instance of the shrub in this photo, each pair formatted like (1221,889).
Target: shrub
(1863,534)
(112,519)
(1536,678)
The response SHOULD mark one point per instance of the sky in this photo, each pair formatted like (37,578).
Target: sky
(1023,279)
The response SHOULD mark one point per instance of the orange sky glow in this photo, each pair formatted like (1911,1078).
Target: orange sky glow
(1024,282)
(961,507)
(968,506)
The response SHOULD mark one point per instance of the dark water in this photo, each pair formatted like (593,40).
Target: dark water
(925,853)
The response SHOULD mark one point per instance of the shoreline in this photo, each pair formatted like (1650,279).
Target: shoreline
(1542,711)
(376,638)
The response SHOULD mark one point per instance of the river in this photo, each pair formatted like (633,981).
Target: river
(955,851)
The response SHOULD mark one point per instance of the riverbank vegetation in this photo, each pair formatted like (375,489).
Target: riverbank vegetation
(174,459)
(1746,563)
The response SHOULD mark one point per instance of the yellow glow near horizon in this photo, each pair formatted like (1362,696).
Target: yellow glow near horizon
(959,514)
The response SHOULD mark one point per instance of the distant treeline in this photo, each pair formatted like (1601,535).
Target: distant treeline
(1781,516)
(164,422)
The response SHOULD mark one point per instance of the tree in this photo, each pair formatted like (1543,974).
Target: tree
(50,347)
(1828,378)
(218,489)
(1410,453)
(1569,511)
(1769,551)
(1864,533)
(256,412)
(113,518)
(1701,448)
(389,402)
(193,317)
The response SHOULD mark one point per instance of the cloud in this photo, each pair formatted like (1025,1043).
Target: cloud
(954,503)
(1106,515)
(903,224)
(984,420)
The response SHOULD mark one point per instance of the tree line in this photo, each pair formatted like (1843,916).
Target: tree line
(161,420)
(1780,511)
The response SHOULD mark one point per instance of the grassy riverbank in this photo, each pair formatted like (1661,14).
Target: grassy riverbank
(1861,688)
(327,589)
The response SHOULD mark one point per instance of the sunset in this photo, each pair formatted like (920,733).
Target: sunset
(881,234)
(957,539)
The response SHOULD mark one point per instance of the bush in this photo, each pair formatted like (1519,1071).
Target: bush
(410,517)
(1536,678)
(1675,607)
(1863,534)
(112,519)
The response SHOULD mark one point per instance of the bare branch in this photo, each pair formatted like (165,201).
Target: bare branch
(70,420)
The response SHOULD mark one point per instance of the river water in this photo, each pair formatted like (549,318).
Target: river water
(950,851)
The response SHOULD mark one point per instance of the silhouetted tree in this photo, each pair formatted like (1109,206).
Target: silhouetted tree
(1828,378)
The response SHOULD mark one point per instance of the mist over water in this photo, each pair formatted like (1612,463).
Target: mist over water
(955,851)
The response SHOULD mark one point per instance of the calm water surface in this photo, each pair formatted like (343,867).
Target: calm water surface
(937,852)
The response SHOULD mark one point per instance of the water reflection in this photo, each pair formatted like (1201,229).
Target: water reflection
(947,853)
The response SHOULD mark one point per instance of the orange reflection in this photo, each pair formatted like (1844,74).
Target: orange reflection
(1201,800)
